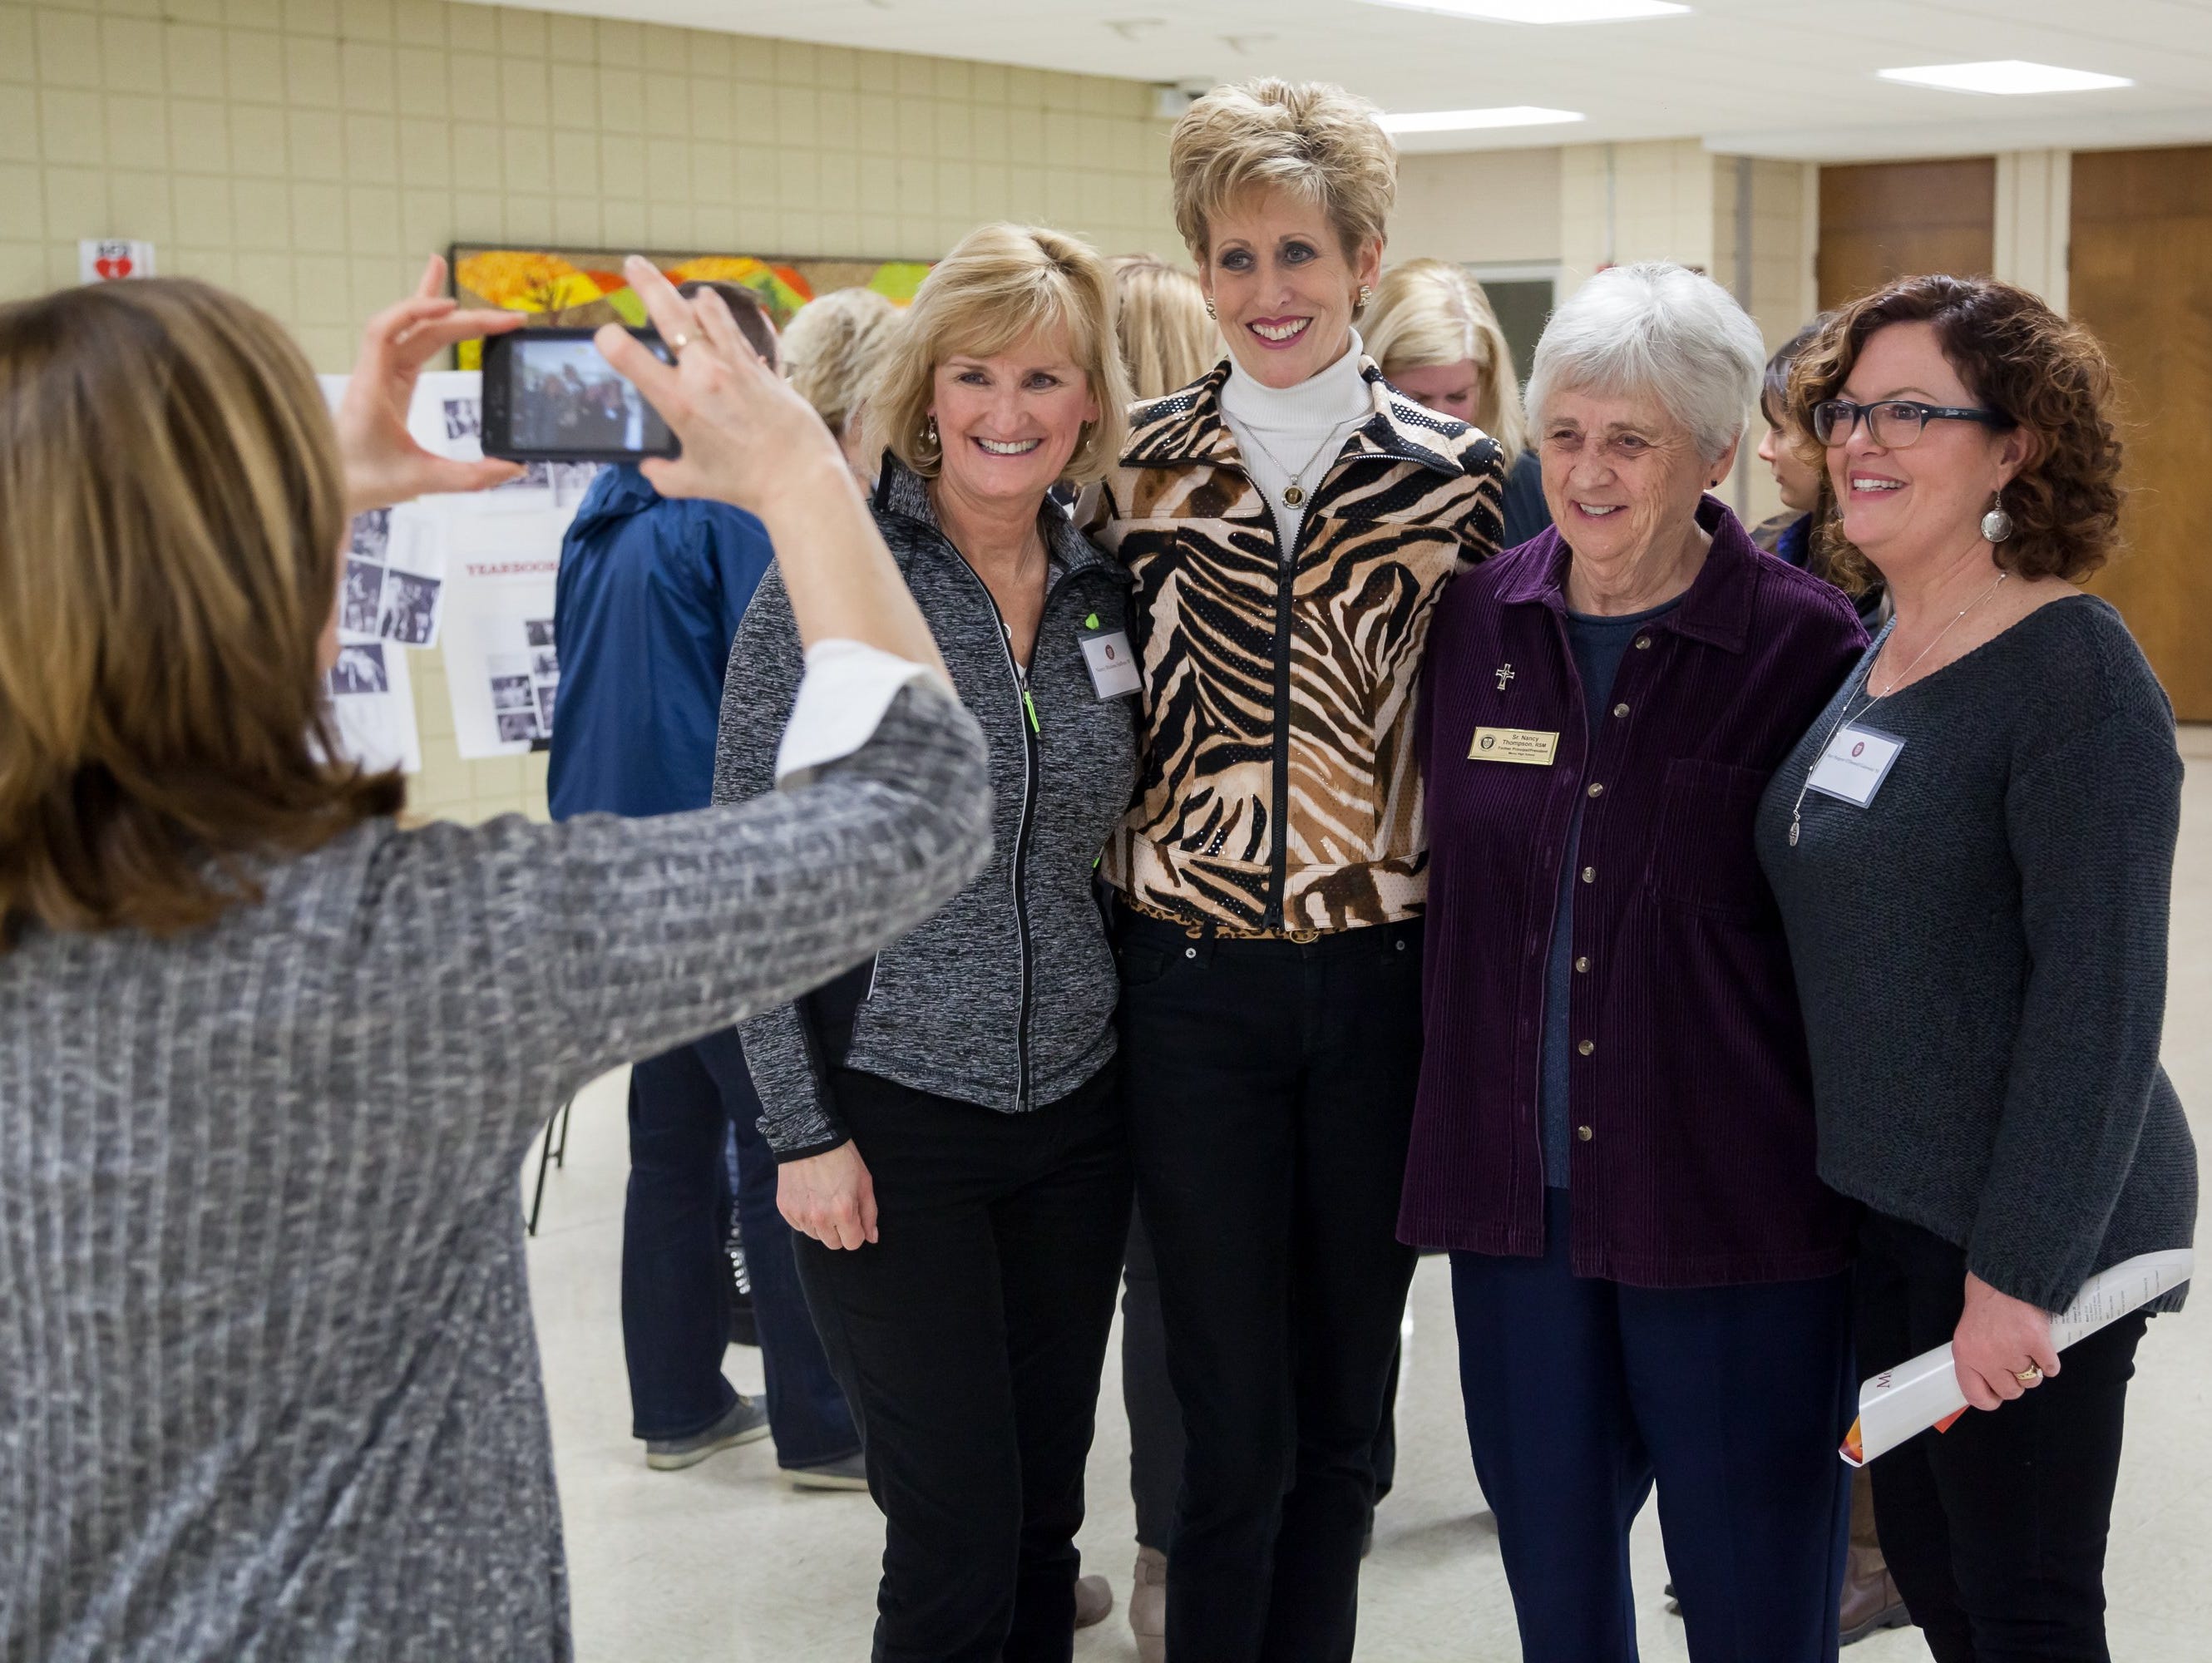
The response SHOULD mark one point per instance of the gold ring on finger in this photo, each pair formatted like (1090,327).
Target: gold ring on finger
(678,341)
(2028,1376)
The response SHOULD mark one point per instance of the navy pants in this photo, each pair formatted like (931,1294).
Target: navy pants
(1581,1392)
(683,1105)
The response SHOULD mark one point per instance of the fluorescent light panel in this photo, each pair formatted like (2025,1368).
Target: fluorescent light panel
(1462,121)
(1542,11)
(2009,76)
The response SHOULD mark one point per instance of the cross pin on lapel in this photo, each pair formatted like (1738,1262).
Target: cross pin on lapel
(1504,674)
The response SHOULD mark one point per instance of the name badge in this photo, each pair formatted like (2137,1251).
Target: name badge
(1857,760)
(1113,667)
(1513,744)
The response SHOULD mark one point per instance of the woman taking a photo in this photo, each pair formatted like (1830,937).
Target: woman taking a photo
(270,1383)
(946,1118)
(1289,519)
(1433,331)
(2008,864)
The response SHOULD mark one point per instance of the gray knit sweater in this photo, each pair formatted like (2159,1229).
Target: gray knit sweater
(269,1388)
(1005,999)
(1982,951)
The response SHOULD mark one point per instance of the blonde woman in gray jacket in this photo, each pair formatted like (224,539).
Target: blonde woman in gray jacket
(946,1117)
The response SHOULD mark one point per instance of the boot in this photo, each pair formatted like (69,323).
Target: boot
(1148,1605)
(1871,1602)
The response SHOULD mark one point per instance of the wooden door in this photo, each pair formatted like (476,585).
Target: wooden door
(1885,220)
(2141,278)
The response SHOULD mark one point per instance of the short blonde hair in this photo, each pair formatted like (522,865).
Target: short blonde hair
(834,345)
(1430,314)
(171,512)
(1002,284)
(1316,140)
(1168,340)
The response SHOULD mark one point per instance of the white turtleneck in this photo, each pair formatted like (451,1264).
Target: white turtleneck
(1295,432)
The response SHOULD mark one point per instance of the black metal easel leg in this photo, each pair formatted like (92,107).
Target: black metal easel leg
(549,1155)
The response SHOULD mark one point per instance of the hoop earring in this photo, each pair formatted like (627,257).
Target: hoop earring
(1209,312)
(1996,525)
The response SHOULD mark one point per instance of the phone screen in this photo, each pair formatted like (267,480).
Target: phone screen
(564,401)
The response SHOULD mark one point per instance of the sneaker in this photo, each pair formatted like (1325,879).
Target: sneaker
(746,1423)
(1094,1601)
(846,1473)
(1148,1605)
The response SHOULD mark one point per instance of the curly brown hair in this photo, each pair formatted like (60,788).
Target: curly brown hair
(2045,375)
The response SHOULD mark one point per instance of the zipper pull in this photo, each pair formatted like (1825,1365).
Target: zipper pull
(1030,704)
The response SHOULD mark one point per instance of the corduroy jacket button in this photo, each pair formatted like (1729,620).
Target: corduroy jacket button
(1584,1133)
(1621,710)
(1586,1047)
(1596,789)
(1582,964)
(1589,874)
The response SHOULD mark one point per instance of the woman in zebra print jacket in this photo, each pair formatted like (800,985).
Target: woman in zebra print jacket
(1289,519)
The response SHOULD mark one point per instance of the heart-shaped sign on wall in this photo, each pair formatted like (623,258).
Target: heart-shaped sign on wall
(109,259)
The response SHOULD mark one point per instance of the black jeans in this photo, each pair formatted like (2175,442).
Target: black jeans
(1994,1531)
(1271,1086)
(969,1339)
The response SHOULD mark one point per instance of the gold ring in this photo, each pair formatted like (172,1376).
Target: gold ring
(2029,1375)
(678,341)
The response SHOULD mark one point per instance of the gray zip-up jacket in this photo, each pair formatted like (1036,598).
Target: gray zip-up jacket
(1005,998)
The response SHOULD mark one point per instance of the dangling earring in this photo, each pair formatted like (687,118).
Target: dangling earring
(1365,291)
(1209,312)
(929,430)
(1996,525)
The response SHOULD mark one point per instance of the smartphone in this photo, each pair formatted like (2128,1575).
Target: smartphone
(549,396)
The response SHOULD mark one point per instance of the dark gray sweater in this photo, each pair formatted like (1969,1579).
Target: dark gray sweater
(269,1388)
(1982,953)
(1005,999)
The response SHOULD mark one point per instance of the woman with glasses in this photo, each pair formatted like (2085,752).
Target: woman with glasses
(1973,851)
(1613,1136)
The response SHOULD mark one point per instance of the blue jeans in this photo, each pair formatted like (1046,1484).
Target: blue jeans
(683,1105)
(1580,1392)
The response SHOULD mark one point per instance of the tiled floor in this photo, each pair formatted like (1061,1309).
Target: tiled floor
(724,1563)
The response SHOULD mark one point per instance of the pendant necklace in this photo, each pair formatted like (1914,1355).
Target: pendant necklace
(1294,493)
(1797,808)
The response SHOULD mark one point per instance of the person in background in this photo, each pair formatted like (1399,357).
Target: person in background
(831,350)
(1289,519)
(2011,871)
(1167,342)
(947,1117)
(1615,1133)
(1801,476)
(1433,330)
(272,1387)
(1871,1602)
(645,606)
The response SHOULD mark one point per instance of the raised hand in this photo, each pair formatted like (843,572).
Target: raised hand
(384,465)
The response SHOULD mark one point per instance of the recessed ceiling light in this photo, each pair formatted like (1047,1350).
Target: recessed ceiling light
(2005,76)
(1462,121)
(1542,11)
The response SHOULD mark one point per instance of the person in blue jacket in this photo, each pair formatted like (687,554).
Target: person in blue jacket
(646,605)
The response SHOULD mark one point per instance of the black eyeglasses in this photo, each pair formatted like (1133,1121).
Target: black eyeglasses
(1894,422)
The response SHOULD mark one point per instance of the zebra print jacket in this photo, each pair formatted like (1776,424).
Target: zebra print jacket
(1280,789)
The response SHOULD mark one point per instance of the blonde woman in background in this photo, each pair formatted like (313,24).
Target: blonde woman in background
(831,351)
(1167,342)
(1159,317)
(1433,330)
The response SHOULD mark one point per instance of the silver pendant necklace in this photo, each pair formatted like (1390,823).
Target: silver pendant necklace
(1294,493)
(1796,808)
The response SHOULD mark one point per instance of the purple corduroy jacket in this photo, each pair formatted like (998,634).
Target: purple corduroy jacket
(1691,1101)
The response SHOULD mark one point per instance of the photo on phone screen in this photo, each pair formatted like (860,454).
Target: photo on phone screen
(550,396)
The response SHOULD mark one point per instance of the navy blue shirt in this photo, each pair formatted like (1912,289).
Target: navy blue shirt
(1527,514)
(645,606)
(1598,644)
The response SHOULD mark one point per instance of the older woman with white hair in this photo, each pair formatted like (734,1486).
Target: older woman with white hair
(1614,1133)
(831,351)
(946,1118)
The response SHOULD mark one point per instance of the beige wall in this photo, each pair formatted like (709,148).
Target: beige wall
(1487,207)
(310,152)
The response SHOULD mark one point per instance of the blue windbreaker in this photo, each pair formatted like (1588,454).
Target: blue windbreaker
(645,606)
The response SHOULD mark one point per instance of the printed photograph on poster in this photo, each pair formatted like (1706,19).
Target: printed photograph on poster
(364,595)
(371,535)
(372,701)
(501,662)
(395,571)
(360,668)
(571,480)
